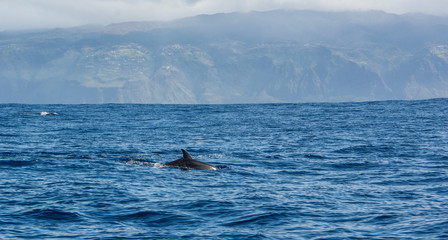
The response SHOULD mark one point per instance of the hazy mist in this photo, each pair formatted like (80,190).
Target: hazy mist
(31,14)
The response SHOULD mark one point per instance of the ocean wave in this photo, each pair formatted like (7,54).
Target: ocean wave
(53,215)
(366,149)
(270,219)
(287,171)
(154,218)
(17,163)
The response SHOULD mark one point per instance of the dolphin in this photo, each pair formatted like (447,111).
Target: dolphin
(188,163)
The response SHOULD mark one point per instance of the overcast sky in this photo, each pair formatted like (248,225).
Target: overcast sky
(30,14)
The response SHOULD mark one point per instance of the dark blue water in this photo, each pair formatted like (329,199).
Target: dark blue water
(374,170)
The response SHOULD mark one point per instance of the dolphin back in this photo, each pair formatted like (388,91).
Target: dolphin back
(189,163)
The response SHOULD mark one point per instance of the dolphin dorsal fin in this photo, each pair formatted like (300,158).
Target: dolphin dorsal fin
(186,154)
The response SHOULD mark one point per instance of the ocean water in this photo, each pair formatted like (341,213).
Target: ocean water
(371,170)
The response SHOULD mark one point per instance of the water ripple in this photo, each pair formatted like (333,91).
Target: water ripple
(374,170)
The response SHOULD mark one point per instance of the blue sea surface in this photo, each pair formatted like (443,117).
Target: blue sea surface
(369,170)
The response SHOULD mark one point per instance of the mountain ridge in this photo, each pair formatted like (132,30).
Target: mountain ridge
(276,56)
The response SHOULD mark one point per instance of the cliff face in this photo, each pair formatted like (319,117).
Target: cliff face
(280,56)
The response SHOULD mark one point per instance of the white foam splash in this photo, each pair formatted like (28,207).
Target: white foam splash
(159,165)
(48,113)
(212,155)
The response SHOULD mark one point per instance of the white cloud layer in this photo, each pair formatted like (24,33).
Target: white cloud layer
(29,14)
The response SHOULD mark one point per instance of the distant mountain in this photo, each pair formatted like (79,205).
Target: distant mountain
(277,56)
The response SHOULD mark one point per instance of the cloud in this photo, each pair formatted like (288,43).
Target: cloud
(28,14)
